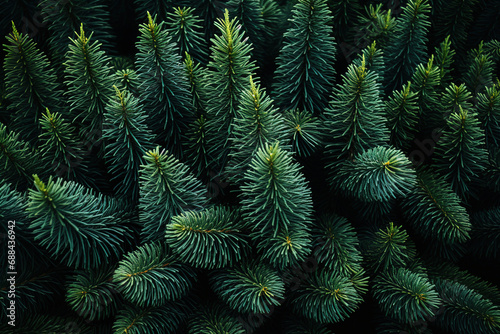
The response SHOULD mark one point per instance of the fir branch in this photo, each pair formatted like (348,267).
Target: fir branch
(210,239)
(152,276)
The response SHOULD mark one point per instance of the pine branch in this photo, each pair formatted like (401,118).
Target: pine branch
(479,71)
(249,14)
(74,225)
(167,189)
(378,174)
(214,318)
(407,45)
(354,117)
(164,90)
(92,295)
(435,211)
(466,311)
(389,248)
(460,154)
(229,70)
(488,108)
(65,17)
(377,24)
(163,319)
(61,149)
(210,239)
(336,244)
(127,140)
(374,60)
(425,83)
(151,276)
(256,123)
(30,84)
(305,71)
(306,133)
(444,55)
(18,160)
(249,287)
(485,233)
(90,82)
(185,28)
(402,116)
(326,297)
(277,205)
(127,79)
(406,296)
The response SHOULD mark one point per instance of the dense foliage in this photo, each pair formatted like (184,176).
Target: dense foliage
(250,166)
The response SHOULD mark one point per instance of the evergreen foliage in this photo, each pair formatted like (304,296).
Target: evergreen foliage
(406,46)
(197,151)
(345,14)
(214,318)
(273,191)
(255,124)
(306,132)
(209,11)
(354,118)
(60,147)
(406,296)
(92,295)
(167,189)
(250,287)
(13,204)
(163,319)
(336,246)
(374,59)
(453,19)
(249,14)
(444,60)
(159,8)
(18,159)
(435,211)
(326,297)
(31,85)
(305,63)
(485,232)
(210,239)
(89,82)
(185,28)
(465,310)
(65,17)
(70,221)
(127,79)
(127,140)
(249,166)
(164,89)
(389,248)
(151,276)
(229,69)
(488,108)
(462,156)
(402,116)
(479,73)
(377,24)
(426,85)
(37,287)
(378,174)
(195,74)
